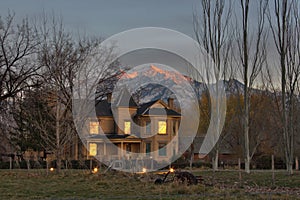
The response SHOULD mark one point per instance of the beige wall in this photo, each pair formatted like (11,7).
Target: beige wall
(107,125)
(122,117)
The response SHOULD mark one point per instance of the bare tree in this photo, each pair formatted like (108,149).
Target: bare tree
(284,22)
(18,69)
(17,52)
(252,56)
(213,31)
(60,56)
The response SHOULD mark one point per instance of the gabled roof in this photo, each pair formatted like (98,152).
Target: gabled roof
(146,110)
(104,107)
(144,107)
(126,100)
(160,111)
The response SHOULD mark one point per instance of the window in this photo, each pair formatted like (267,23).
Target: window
(128,148)
(148,127)
(162,151)
(162,127)
(94,128)
(93,149)
(127,127)
(148,148)
(174,127)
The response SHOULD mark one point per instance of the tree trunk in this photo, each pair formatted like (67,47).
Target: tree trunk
(216,160)
(290,168)
(246,92)
(246,122)
(58,153)
(192,156)
(246,137)
(291,133)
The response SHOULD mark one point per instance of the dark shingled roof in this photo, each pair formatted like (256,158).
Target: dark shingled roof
(103,108)
(146,110)
(113,136)
(145,106)
(160,111)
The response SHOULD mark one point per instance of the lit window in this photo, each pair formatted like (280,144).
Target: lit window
(162,151)
(162,127)
(93,149)
(94,128)
(127,127)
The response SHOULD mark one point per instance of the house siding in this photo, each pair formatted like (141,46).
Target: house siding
(136,141)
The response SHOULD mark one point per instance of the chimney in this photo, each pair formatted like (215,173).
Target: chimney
(109,97)
(171,102)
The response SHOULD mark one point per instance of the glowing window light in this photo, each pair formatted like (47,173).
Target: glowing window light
(127,127)
(162,127)
(94,128)
(93,149)
(144,170)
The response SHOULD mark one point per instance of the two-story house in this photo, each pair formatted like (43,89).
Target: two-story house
(125,130)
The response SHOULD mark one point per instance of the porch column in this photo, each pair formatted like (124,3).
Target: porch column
(87,150)
(122,149)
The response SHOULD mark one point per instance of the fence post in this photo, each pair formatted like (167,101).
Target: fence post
(297,163)
(240,173)
(47,166)
(273,170)
(10,163)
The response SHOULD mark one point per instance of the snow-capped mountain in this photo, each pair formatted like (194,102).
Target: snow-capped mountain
(152,82)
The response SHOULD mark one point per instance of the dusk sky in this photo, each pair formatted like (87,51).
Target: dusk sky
(105,18)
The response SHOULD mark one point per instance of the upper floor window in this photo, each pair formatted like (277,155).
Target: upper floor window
(94,128)
(148,127)
(162,127)
(127,127)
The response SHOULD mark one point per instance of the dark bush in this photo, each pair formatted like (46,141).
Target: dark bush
(4,165)
(265,162)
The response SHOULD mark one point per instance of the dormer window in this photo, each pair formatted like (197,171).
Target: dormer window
(162,127)
(127,127)
(94,128)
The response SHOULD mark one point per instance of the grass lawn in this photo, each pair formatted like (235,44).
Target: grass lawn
(81,184)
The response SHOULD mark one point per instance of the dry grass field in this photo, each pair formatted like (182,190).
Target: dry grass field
(81,184)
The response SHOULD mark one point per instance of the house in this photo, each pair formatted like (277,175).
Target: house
(127,131)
